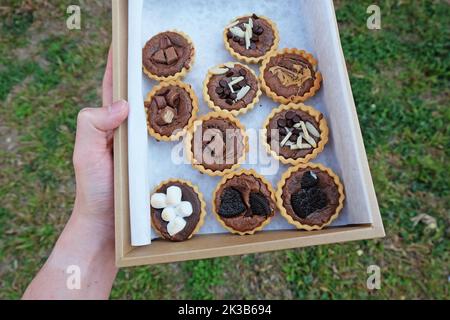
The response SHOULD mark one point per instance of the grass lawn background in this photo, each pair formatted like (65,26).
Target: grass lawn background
(400,80)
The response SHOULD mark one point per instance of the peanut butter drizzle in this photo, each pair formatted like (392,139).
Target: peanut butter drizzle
(288,77)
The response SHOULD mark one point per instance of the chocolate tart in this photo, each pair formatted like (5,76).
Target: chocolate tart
(171,108)
(295,133)
(193,221)
(244,202)
(168,55)
(262,39)
(310,196)
(207,141)
(290,75)
(231,87)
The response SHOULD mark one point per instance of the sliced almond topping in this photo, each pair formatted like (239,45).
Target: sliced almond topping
(229,65)
(232,24)
(286,139)
(237,32)
(250,22)
(218,71)
(312,130)
(233,82)
(297,125)
(305,131)
(311,141)
(242,93)
(248,35)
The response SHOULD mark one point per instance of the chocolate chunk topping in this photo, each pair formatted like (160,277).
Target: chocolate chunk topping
(159,57)
(171,55)
(309,180)
(231,203)
(307,201)
(254,16)
(173,98)
(229,74)
(259,204)
(223,83)
(164,43)
(160,102)
(229,35)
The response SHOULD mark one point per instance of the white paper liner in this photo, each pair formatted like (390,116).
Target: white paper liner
(303,24)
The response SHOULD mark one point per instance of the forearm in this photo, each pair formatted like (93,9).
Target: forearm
(87,246)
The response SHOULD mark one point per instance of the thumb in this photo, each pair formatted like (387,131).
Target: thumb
(94,126)
(103,119)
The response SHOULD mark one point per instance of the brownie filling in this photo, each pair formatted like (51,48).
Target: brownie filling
(188,194)
(289,75)
(166,54)
(262,39)
(225,95)
(310,196)
(244,202)
(218,144)
(169,109)
(289,121)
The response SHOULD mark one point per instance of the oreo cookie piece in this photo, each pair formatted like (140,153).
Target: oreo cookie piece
(309,180)
(231,203)
(259,204)
(307,201)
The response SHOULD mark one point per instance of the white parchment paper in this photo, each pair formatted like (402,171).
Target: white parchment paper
(304,24)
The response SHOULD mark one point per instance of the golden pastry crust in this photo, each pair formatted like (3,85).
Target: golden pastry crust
(201,220)
(210,102)
(323,127)
(287,175)
(180,74)
(253,60)
(190,136)
(195,108)
(295,99)
(239,173)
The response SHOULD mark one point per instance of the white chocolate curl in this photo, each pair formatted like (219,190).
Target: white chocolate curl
(158,201)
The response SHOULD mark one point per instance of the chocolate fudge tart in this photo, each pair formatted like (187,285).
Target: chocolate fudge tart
(295,133)
(244,202)
(171,108)
(251,38)
(216,144)
(231,87)
(310,196)
(290,75)
(177,210)
(168,55)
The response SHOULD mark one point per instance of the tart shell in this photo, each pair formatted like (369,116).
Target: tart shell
(238,173)
(210,101)
(295,99)
(190,135)
(253,60)
(323,127)
(180,74)
(201,220)
(195,108)
(279,193)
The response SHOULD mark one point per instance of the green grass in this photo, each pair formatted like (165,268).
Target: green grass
(400,80)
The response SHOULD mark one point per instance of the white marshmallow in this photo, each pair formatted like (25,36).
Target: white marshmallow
(158,201)
(175,226)
(173,196)
(184,209)
(169,214)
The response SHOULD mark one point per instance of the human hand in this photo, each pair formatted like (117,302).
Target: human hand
(93,159)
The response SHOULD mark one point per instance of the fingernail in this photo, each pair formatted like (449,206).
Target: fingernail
(117,107)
